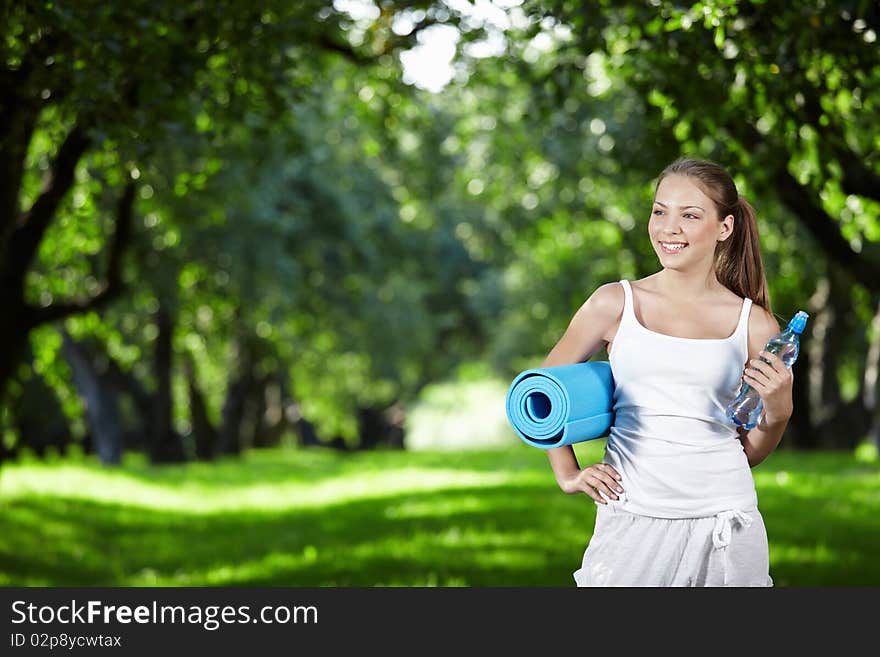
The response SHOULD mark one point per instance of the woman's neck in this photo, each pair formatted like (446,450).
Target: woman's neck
(687,285)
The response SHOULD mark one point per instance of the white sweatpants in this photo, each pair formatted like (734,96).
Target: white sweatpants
(727,549)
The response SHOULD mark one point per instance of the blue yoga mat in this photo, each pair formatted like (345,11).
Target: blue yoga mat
(556,406)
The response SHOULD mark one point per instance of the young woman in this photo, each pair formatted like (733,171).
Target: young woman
(676,501)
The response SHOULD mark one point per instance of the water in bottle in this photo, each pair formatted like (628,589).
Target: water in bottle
(746,408)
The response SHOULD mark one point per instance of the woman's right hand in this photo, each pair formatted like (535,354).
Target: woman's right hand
(593,479)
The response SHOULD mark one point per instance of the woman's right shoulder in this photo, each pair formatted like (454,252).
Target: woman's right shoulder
(596,321)
(589,330)
(607,299)
(605,304)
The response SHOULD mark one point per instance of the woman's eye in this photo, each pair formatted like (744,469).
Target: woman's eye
(687,214)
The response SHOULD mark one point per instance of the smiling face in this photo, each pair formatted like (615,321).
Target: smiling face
(684,226)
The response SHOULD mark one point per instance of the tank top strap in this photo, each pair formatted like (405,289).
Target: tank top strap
(744,313)
(628,305)
(743,325)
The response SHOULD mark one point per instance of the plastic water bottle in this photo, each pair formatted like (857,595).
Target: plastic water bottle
(746,408)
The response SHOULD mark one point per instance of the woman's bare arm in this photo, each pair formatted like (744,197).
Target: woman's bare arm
(583,338)
(760,441)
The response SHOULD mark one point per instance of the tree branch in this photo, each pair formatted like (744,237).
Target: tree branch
(113,283)
(802,202)
(31,226)
(825,230)
(15,137)
(858,178)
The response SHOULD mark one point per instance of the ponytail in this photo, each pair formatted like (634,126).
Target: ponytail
(738,263)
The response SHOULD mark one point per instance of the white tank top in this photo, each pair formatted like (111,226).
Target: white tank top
(677,453)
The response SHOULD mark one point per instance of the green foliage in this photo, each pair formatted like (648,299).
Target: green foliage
(371,239)
(256,215)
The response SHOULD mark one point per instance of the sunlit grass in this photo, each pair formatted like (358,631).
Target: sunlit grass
(431,518)
(81,482)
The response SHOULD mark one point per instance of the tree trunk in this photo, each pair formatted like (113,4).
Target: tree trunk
(801,432)
(167,445)
(837,423)
(19,244)
(824,394)
(235,406)
(35,414)
(204,433)
(252,418)
(272,422)
(870,396)
(13,335)
(306,433)
(100,401)
(140,429)
(381,427)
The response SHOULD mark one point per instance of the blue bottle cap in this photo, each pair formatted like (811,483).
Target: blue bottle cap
(798,322)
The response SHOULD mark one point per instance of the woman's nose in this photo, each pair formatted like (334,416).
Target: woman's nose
(671,227)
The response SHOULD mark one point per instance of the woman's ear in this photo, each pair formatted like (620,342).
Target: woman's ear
(727,228)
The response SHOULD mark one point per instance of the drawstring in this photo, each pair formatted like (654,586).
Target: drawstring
(723,531)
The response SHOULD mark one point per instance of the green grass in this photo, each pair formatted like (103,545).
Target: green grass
(318,518)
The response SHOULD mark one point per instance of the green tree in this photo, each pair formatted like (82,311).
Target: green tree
(109,84)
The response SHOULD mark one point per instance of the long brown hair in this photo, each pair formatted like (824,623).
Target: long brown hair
(738,264)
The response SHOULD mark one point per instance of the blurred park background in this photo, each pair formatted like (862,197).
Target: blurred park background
(268,268)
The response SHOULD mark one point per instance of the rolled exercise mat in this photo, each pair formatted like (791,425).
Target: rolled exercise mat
(556,406)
